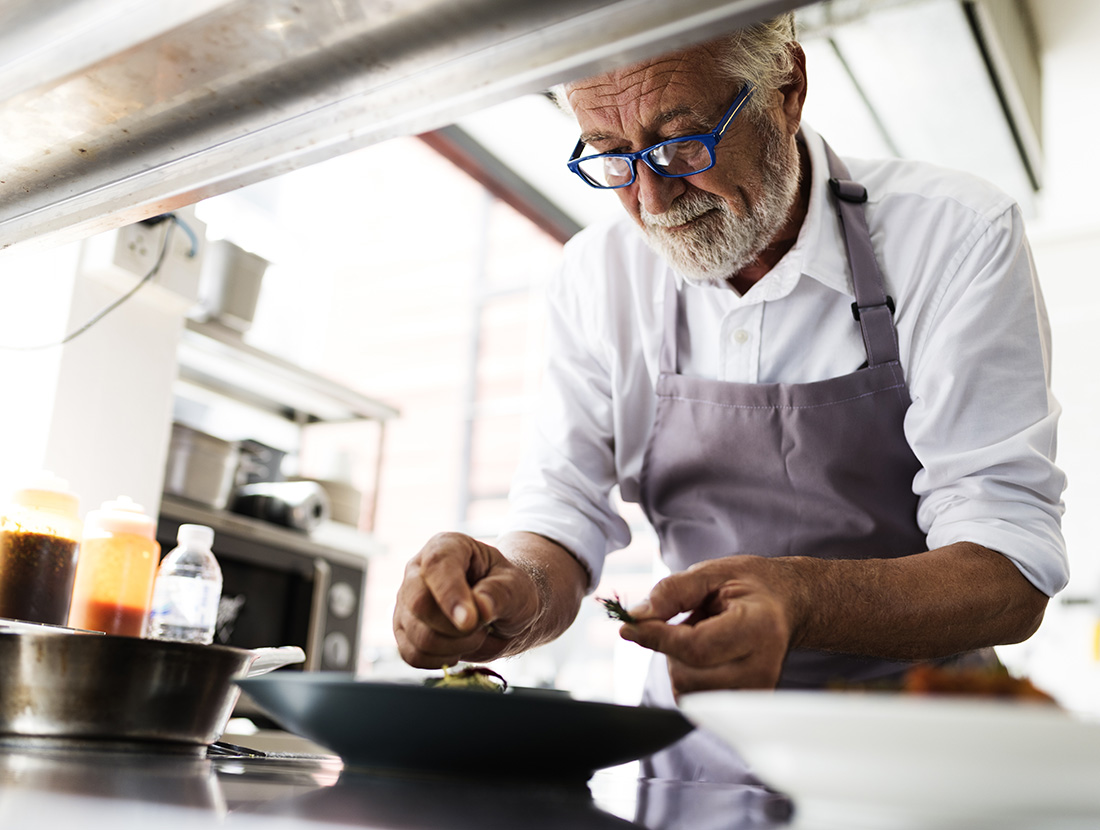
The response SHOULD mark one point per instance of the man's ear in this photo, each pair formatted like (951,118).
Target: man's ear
(794,92)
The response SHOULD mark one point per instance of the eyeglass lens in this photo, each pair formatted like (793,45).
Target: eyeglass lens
(676,158)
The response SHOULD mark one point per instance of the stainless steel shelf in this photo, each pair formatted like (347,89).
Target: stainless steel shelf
(338,544)
(215,357)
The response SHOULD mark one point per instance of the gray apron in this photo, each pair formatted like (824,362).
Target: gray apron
(817,469)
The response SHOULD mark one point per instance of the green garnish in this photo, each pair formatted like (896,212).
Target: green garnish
(469,677)
(615,609)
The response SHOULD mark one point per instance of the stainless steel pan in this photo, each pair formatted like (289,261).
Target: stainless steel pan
(80,686)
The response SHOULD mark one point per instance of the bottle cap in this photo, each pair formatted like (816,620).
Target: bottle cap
(122,515)
(48,492)
(199,536)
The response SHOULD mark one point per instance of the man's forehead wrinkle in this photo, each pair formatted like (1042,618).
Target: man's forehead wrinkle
(646,95)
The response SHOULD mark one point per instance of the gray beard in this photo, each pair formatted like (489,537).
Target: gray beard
(721,245)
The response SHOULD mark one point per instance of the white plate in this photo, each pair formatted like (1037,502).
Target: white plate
(888,761)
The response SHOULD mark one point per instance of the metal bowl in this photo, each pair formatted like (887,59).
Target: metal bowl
(84,686)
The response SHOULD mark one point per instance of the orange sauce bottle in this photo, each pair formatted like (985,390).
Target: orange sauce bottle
(115,573)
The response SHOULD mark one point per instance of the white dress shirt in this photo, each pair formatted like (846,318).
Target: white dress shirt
(974,345)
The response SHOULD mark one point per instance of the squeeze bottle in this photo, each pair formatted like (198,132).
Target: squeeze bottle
(115,573)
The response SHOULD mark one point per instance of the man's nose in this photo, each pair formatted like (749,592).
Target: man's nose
(655,192)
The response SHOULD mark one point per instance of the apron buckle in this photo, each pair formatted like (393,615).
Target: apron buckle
(848,191)
(889,304)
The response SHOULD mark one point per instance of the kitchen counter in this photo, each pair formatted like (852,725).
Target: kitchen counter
(44,784)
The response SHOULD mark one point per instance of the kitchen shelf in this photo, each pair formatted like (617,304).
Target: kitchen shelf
(330,540)
(215,357)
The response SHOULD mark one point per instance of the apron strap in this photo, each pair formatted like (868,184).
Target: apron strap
(667,362)
(873,308)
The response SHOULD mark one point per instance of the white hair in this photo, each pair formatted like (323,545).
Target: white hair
(760,54)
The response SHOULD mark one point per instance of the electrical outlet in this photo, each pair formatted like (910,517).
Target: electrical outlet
(138,246)
(127,254)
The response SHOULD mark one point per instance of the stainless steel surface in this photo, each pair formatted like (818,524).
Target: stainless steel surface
(195,107)
(322,580)
(25,627)
(122,689)
(48,786)
(52,786)
(31,34)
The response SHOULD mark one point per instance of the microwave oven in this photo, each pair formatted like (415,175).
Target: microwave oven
(279,586)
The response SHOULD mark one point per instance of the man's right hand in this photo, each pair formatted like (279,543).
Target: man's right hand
(462,600)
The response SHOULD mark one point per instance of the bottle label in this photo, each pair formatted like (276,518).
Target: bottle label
(186,602)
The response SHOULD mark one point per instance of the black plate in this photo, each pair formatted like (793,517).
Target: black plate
(524,733)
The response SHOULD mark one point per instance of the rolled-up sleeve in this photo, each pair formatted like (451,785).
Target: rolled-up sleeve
(562,487)
(983,421)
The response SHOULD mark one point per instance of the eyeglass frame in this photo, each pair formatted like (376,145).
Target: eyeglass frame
(709,140)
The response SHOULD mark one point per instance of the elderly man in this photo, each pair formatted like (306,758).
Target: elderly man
(827,386)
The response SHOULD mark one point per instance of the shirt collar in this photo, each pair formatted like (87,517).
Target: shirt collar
(821,252)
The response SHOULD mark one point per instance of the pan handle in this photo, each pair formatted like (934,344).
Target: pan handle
(269,659)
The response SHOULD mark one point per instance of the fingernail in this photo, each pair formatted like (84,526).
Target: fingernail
(485,607)
(641,610)
(460,615)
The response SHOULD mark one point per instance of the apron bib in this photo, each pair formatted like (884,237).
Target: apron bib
(817,469)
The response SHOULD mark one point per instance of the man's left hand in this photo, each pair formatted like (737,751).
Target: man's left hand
(736,635)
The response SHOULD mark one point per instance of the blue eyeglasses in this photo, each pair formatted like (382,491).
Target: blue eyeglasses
(674,158)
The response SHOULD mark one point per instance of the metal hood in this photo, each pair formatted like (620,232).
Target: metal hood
(112,111)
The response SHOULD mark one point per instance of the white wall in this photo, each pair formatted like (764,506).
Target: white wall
(97,410)
(35,299)
(1066,242)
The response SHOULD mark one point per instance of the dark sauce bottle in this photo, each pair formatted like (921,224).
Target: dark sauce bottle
(39,545)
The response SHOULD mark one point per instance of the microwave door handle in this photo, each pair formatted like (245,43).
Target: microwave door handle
(315,638)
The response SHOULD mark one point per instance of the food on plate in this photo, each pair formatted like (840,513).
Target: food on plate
(929,679)
(615,609)
(469,677)
(955,681)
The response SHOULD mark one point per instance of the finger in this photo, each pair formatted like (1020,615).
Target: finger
(506,600)
(709,643)
(415,599)
(423,647)
(684,591)
(448,565)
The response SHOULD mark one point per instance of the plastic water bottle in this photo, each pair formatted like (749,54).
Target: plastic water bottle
(187,589)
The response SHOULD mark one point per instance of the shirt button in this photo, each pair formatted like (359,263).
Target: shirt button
(741,336)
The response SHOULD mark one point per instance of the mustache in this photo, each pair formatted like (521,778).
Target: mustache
(683,210)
